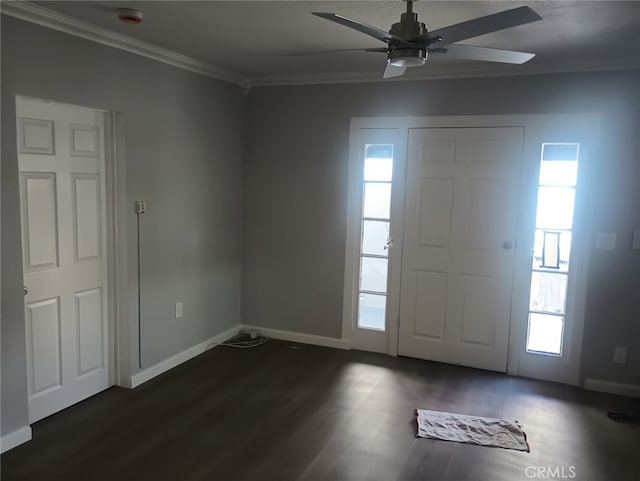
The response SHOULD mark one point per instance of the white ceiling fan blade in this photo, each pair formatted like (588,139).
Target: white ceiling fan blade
(340,50)
(485,54)
(393,71)
(481,26)
(361,27)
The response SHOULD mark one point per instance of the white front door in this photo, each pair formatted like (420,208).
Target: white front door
(459,237)
(62,195)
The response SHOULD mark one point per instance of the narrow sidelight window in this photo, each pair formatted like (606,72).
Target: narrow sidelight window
(374,259)
(552,248)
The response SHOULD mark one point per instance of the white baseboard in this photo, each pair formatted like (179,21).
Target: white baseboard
(300,337)
(15,438)
(612,387)
(153,371)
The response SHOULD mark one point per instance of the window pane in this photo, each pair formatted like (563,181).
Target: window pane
(548,292)
(560,151)
(379,151)
(373,274)
(565,250)
(378,169)
(371,311)
(377,200)
(555,207)
(558,173)
(545,333)
(375,235)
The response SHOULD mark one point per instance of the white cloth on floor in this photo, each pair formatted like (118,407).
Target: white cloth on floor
(471,429)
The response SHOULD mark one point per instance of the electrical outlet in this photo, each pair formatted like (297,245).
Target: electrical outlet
(635,243)
(178,310)
(620,355)
(141,207)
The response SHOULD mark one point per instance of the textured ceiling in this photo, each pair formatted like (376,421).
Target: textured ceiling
(255,39)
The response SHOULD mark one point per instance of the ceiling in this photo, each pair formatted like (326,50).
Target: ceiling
(256,38)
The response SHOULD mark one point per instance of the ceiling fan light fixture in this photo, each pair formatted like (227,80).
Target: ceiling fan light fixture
(407,57)
(407,61)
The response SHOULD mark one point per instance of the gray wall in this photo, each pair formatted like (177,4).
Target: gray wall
(183,136)
(296,191)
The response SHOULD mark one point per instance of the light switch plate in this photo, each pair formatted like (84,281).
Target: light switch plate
(620,354)
(606,241)
(178,310)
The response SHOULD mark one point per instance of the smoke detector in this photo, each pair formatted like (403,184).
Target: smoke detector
(130,15)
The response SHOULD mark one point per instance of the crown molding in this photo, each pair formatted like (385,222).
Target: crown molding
(627,63)
(57,21)
(48,18)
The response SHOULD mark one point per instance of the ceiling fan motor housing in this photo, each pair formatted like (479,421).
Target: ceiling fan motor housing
(408,28)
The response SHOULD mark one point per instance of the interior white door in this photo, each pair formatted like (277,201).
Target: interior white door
(459,240)
(62,194)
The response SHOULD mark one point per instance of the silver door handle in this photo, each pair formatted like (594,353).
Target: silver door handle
(507,245)
(25,290)
(388,244)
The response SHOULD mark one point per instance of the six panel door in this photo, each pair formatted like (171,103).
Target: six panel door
(62,195)
(457,267)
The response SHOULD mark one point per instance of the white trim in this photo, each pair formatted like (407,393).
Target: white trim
(63,23)
(300,337)
(397,236)
(117,185)
(630,390)
(57,21)
(386,341)
(352,245)
(163,366)
(15,438)
(537,128)
(627,63)
(584,129)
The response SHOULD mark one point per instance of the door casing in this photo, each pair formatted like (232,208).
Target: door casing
(115,183)
(538,128)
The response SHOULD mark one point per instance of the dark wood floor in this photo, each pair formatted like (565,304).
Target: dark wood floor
(275,413)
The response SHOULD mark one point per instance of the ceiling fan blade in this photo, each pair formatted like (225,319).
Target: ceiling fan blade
(340,50)
(471,52)
(393,71)
(361,27)
(481,26)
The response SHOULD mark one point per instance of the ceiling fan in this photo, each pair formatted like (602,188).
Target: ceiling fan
(409,43)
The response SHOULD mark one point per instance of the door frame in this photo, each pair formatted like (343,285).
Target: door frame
(364,339)
(537,128)
(585,130)
(116,236)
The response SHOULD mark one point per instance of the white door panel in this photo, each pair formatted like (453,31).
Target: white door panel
(62,165)
(89,330)
(40,229)
(460,207)
(43,341)
(87,215)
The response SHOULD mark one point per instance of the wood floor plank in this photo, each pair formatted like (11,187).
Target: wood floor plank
(313,413)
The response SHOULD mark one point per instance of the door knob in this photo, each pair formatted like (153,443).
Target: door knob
(25,290)
(507,245)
